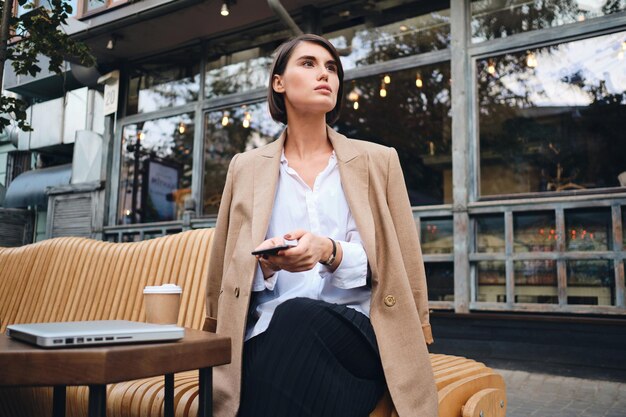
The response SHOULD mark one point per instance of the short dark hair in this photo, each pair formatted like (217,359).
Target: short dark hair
(276,101)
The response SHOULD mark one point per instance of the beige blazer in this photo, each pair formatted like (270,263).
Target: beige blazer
(372,181)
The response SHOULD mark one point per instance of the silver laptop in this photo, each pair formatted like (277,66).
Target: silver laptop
(89,333)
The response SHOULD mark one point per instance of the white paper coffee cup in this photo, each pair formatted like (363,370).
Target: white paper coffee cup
(162,303)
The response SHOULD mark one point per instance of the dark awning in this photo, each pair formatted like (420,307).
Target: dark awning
(29,188)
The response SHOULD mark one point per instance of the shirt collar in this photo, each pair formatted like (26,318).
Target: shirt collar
(283,158)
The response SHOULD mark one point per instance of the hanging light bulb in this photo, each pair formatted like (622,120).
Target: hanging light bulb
(181,128)
(353,95)
(531,60)
(224,11)
(418,81)
(246,120)
(355,105)
(491,67)
(225,119)
(387,79)
(383,89)
(141,135)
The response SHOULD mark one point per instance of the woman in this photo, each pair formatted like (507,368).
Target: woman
(321,328)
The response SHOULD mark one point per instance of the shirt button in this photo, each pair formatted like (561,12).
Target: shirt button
(390,301)
(236,291)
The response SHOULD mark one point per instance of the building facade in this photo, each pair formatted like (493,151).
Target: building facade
(507,117)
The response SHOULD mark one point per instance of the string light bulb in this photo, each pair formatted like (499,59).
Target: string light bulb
(181,128)
(355,105)
(246,120)
(224,11)
(418,80)
(383,89)
(491,67)
(141,135)
(353,95)
(531,60)
(225,120)
(387,79)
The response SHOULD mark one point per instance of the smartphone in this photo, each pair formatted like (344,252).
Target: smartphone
(272,251)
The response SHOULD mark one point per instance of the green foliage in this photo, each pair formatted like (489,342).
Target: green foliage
(36,32)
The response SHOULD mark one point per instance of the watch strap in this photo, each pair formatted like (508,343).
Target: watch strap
(331,258)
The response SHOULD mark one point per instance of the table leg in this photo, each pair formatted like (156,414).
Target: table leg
(168,407)
(58,401)
(205,405)
(97,400)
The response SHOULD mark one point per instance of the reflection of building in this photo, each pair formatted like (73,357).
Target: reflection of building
(494,108)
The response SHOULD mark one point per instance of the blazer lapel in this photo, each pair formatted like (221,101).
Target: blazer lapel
(354,171)
(266,169)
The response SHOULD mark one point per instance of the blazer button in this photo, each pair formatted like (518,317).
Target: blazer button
(390,301)
(236,291)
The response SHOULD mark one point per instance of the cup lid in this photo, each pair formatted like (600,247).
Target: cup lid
(162,289)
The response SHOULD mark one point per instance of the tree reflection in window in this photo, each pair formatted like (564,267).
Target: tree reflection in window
(228,132)
(550,118)
(414,118)
(492,19)
(164,82)
(367,44)
(238,72)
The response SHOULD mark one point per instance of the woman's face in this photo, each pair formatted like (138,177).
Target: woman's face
(310,82)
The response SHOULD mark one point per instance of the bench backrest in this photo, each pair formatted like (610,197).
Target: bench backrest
(69,278)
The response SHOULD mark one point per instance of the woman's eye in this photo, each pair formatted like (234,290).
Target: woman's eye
(331,68)
(307,63)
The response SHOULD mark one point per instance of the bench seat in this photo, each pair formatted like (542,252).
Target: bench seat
(67,279)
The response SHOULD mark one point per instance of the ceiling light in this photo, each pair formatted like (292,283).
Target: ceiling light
(113,41)
(224,11)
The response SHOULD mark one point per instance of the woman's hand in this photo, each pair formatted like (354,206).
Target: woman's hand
(268,266)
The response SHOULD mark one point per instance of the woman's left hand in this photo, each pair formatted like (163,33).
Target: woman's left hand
(311,248)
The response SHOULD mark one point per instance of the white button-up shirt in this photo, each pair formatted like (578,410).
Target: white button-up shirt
(323,211)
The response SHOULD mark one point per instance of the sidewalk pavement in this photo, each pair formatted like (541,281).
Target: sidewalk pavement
(541,395)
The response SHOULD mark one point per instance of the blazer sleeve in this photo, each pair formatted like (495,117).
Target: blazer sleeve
(216,257)
(402,215)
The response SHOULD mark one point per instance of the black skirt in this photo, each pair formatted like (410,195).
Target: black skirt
(315,359)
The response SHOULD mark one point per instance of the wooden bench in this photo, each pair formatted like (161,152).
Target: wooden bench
(80,279)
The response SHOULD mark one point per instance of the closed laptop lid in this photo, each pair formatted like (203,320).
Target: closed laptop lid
(75,333)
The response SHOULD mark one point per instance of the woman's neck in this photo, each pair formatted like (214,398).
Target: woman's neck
(306,137)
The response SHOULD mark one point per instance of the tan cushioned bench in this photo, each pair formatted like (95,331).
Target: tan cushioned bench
(67,279)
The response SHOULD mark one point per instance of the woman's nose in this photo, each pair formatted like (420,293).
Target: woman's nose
(323,75)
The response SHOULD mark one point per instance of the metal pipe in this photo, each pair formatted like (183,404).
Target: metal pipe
(283,15)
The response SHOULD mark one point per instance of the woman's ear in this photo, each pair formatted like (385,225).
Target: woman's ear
(277,84)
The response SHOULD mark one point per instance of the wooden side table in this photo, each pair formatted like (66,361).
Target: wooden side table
(22,364)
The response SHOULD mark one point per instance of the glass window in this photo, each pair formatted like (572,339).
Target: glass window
(415,121)
(440,281)
(436,236)
(536,282)
(534,232)
(623,227)
(239,72)
(91,5)
(588,230)
(551,118)
(491,279)
(369,43)
(169,81)
(590,282)
(155,176)
(490,233)
(492,19)
(228,132)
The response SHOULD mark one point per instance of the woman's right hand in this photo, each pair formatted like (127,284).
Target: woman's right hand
(268,267)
